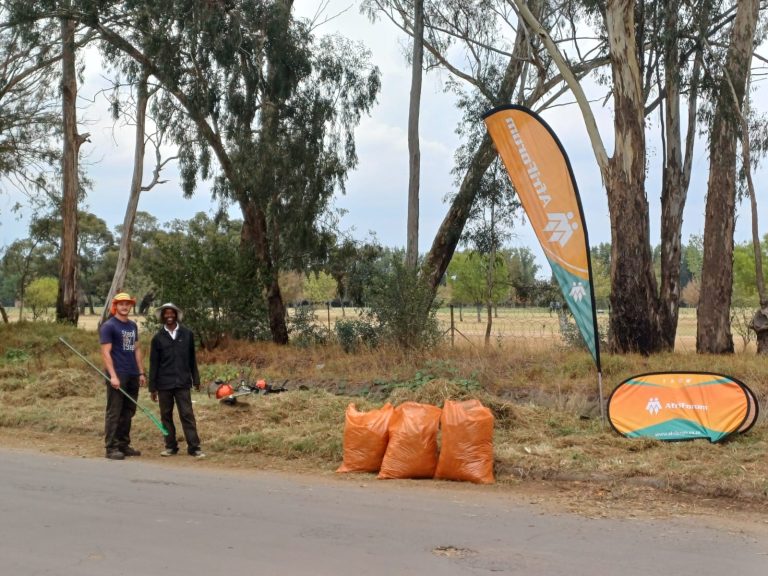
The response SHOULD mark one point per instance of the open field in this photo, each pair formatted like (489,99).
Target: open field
(548,434)
(536,328)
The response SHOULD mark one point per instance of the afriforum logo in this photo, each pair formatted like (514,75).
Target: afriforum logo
(561,227)
(577,291)
(653,406)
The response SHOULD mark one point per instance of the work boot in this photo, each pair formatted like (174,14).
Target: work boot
(115,455)
(128,451)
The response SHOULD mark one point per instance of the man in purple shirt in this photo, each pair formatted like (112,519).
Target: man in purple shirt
(121,353)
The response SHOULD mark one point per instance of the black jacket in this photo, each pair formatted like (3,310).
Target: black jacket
(172,363)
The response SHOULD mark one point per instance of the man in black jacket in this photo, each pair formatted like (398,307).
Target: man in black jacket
(172,373)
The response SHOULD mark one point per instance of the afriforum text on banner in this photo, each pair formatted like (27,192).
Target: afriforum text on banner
(542,176)
(682,406)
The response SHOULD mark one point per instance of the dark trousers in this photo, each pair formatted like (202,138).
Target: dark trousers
(182,397)
(120,411)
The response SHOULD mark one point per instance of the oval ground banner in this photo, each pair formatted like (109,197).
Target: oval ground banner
(682,406)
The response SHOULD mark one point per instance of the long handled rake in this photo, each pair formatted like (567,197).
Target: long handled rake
(147,413)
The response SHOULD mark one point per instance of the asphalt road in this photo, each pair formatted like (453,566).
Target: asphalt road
(71,516)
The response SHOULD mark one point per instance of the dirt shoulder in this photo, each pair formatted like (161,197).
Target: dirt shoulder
(584,498)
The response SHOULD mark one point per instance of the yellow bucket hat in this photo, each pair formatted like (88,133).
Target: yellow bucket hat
(121,297)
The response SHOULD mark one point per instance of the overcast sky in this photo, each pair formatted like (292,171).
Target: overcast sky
(377,190)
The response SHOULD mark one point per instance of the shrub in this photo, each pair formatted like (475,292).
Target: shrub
(304,330)
(403,305)
(352,334)
(41,295)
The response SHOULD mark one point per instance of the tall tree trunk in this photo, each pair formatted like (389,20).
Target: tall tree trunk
(66,302)
(448,235)
(414,153)
(634,306)
(713,330)
(255,239)
(676,176)
(139,146)
(255,231)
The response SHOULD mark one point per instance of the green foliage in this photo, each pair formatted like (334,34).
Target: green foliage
(41,295)
(402,305)
(571,335)
(29,111)
(353,334)
(15,355)
(467,275)
(304,329)
(319,288)
(522,269)
(740,324)
(200,266)
(601,281)
(744,275)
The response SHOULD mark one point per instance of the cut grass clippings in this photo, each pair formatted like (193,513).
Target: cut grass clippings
(547,423)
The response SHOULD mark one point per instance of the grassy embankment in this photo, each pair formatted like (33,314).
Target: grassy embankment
(544,398)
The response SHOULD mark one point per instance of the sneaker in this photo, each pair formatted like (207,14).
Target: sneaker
(128,451)
(115,455)
(197,454)
(169,452)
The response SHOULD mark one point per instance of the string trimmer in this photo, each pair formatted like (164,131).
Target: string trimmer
(226,394)
(147,413)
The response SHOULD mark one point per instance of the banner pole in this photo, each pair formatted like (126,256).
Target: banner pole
(600,392)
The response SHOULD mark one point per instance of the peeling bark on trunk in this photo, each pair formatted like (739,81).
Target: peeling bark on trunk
(713,330)
(673,190)
(634,306)
(124,252)
(254,238)
(414,152)
(447,236)
(67,309)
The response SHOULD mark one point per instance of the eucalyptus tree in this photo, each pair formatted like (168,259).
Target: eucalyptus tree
(488,228)
(36,20)
(414,149)
(23,261)
(713,329)
(275,105)
(656,56)
(29,118)
(491,59)
(67,309)
(138,103)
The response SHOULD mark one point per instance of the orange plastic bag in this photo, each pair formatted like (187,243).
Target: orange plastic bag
(365,438)
(466,452)
(412,448)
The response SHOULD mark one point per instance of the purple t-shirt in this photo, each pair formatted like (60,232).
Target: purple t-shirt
(124,337)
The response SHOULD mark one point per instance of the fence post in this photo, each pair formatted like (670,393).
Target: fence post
(453,327)
(328,308)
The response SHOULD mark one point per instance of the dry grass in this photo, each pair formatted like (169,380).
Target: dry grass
(545,403)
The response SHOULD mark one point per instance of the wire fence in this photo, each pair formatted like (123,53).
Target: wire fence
(515,326)
(543,328)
